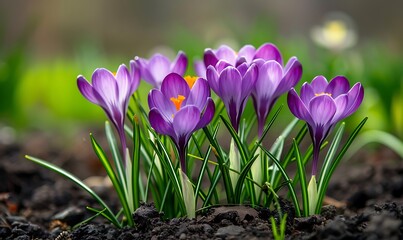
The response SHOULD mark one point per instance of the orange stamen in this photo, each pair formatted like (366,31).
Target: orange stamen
(323,93)
(190,80)
(177,101)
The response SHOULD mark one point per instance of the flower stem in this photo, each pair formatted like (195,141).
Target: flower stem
(182,158)
(316,149)
(124,146)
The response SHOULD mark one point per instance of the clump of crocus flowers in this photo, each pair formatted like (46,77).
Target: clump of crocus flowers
(181,127)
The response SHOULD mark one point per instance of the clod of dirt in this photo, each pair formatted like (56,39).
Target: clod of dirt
(144,216)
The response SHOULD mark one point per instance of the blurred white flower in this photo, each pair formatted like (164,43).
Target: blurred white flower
(337,32)
(7,135)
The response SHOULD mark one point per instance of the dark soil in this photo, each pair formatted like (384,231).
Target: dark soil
(365,197)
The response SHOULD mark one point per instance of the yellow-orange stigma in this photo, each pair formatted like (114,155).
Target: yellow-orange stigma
(323,93)
(190,80)
(177,101)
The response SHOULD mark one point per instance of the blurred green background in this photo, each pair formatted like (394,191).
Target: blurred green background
(45,44)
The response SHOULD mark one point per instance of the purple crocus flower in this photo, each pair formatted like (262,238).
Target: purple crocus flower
(233,85)
(246,54)
(158,67)
(112,92)
(322,105)
(273,81)
(179,108)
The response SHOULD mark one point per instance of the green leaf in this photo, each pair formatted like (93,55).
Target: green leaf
(243,155)
(376,136)
(234,164)
(301,172)
(78,182)
(117,158)
(301,134)
(188,195)
(136,162)
(242,176)
(286,178)
(169,168)
(312,195)
(112,176)
(221,164)
(236,138)
(326,177)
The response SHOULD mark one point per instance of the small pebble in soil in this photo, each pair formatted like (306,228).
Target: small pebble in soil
(230,230)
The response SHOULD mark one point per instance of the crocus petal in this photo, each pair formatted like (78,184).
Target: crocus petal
(207,114)
(199,93)
(247,52)
(200,68)
(86,90)
(221,65)
(226,53)
(160,124)
(158,100)
(230,82)
(270,75)
(135,76)
(248,81)
(209,58)
(337,86)
(292,75)
(341,103)
(307,93)
(355,97)
(322,109)
(243,68)
(105,84)
(297,107)
(174,85)
(319,84)
(180,63)
(142,65)
(123,80)
(259,62)
(212,78)
(269,51)
(159,67)
(185,121)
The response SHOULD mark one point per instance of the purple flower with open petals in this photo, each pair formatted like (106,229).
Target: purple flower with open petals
(233,85)
(158,67)
(179,108)
(112,92)
(322,105)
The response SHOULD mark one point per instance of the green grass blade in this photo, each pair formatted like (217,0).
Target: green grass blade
(330,156)
(117,158)
(242,176)
(204,166)
(286,178)
(335,163)
(244,157)
(238,142)
(266,130)
(170,169)
(376,136)
(302,176)
(221,164)
(287,159)
(136,163)
(112,176)
(78,182)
